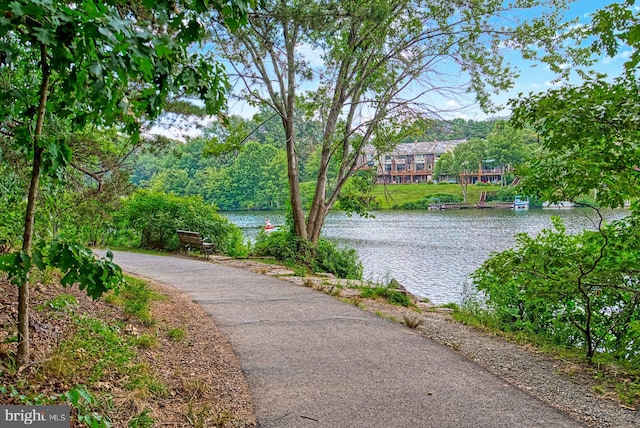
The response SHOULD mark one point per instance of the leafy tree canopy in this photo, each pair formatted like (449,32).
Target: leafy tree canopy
(106,63)
(580,290)
(590,132)
(374,65)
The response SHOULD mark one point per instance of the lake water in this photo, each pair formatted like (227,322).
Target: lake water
(431,253)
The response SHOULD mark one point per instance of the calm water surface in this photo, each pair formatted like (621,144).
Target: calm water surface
(431,253)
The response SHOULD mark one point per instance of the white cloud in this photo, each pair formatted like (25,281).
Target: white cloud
(312,55)
(621,56)
(179,127)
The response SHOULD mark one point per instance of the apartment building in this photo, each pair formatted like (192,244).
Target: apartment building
(407,163)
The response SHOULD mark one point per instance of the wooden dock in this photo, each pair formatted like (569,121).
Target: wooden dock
(450,206)
(495,205)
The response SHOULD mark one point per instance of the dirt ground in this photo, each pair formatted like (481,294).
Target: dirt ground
(205,385)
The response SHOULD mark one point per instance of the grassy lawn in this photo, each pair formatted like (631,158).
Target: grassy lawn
(397,194)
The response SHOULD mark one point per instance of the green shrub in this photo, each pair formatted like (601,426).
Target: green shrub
(587,200)
(506,194)
(62,302)
(342,262)
(581,291)
(388,292)
(154,217)
(326,256)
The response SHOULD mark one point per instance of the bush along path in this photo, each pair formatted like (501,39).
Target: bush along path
(145,357)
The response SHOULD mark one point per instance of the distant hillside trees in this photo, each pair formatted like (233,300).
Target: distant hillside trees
(458,129)
(254,178)
(250,176)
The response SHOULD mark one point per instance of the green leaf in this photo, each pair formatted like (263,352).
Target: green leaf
(17,266)
(16,8)
(38,259)
(43,35)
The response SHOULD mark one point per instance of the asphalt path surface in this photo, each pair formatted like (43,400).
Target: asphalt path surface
(313,361)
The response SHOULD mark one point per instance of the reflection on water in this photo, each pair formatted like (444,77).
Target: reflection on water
(431,253)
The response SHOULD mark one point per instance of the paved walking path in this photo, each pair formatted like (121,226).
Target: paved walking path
(314,361)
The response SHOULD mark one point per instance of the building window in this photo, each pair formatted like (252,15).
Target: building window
(370,160)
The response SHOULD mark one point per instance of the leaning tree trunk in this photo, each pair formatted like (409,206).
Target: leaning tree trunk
(29,218)
(289,132)
(286,103)
(314,228)
(318,210)
(294,182)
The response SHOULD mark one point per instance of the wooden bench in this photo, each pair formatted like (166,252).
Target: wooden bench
(190,240)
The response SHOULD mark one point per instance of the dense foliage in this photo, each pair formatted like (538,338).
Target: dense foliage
(253,177)
(76,263)
(425,202)
(577,290)
(97,64)
(326,256)
(459,129)
(12,203)
(150,219)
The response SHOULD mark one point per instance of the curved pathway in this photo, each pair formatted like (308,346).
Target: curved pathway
(314,361)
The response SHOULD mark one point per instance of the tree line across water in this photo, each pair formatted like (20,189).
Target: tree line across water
(254,176)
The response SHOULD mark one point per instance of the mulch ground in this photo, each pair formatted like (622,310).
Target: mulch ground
(204,383)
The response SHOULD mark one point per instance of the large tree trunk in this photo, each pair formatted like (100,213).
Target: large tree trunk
(289,132)
(319,207)
(314,228)
(29,218)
